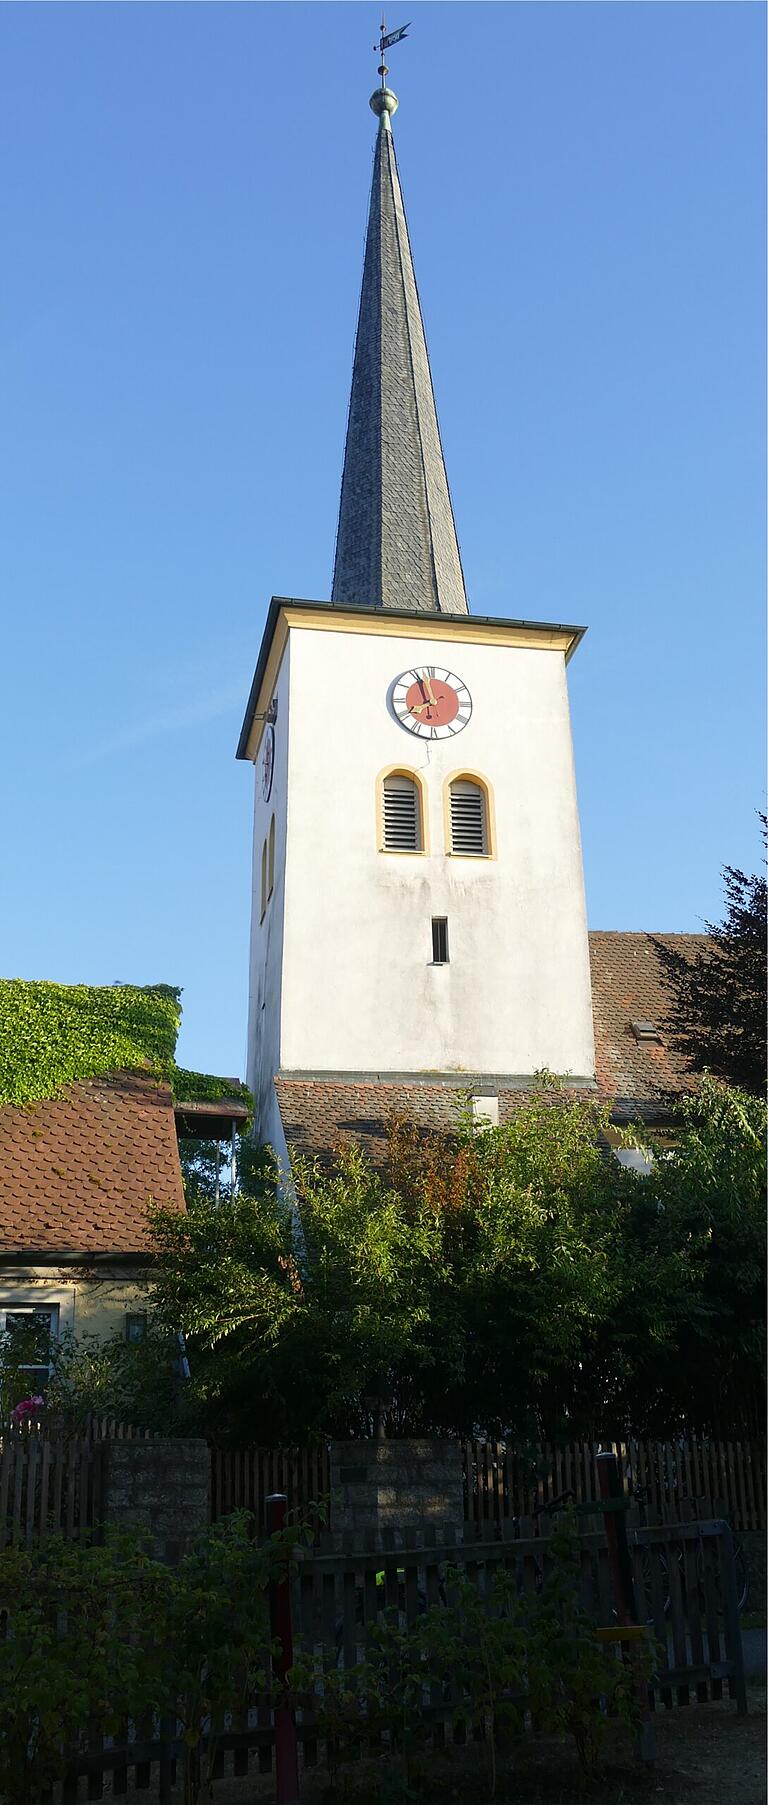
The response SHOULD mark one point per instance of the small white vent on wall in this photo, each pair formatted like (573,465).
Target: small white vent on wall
(469,828)
(402,815)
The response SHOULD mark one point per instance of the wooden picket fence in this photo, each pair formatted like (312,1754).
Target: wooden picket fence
(503,1481)
(241,1479)
(727,1478)
(47,1487)
(87,1428)
(346,1582)
(50,1480)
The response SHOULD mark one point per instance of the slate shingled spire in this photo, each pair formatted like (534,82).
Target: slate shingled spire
(396,544)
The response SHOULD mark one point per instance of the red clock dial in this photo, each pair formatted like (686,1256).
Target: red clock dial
(431,701)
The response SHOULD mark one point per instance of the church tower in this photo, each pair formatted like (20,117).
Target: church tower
(418,916)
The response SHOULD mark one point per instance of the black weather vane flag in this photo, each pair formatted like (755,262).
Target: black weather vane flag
(386,40)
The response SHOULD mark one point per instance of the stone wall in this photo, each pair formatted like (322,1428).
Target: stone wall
(161,1486)
(397,1484)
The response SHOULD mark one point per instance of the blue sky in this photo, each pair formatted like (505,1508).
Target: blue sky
(183,213)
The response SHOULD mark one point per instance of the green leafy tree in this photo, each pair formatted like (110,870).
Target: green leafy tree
(718,999)
(457,1289)
(688,1334)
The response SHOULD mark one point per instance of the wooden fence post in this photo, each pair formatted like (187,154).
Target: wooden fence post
(286,1747)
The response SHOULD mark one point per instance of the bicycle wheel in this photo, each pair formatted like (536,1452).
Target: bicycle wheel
(741,1576)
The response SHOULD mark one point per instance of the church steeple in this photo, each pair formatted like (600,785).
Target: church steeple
(396,544)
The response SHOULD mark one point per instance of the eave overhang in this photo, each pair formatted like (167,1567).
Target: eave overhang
(68,1256)
(393,623)
(210,1119)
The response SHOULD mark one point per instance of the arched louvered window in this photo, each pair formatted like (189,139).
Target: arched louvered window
(271,858)
(469,818)
(402,828)
(263,881)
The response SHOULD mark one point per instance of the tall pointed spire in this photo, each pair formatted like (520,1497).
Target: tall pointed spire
(396,544)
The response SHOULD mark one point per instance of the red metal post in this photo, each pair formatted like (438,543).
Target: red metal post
(615,1520)
(623,1587)
(286,1745)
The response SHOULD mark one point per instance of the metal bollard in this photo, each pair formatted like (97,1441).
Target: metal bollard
(286,1744)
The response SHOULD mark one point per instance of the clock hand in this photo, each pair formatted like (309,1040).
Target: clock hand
(429,690)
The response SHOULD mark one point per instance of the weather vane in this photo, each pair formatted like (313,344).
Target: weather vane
(385,42)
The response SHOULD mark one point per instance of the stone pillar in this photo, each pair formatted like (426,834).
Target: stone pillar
(397,1485)
(161,1486)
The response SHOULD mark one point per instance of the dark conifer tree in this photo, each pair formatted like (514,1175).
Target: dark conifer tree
(717,1009)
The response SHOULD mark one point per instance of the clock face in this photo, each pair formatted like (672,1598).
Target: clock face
(431,702)
(268,763)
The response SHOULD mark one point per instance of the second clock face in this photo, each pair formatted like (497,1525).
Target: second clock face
(268,763)
(431,702)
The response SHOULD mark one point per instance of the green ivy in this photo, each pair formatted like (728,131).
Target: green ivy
(53,1034)
(203,1087)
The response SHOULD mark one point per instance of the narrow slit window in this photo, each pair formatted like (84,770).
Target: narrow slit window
(263,880)
(401,813)
(469,819)
(271,859)
(439,940)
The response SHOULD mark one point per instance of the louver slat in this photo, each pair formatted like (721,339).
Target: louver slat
(401,816)
(468,831)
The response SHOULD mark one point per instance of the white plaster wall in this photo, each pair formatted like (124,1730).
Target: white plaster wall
(266,953)
(90,1301)
(359,992)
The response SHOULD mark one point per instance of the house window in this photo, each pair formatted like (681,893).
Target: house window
(27,1331)
(468,818)
(439,940)
(271,859)
(135,1325)
(401,814)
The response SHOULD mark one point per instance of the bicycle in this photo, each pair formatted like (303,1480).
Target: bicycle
(646,1567)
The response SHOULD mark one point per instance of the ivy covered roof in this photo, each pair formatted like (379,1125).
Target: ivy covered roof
(54,1035)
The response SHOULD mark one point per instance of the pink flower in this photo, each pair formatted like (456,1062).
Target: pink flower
(27,1407)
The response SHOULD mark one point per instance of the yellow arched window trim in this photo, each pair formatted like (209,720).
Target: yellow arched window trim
(271,859)
(415,777)
(490,814)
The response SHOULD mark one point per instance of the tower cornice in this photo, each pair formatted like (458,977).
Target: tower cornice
(289,612)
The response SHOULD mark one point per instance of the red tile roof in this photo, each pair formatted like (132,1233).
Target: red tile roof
(77,1171)
(318,1114)
(627,986)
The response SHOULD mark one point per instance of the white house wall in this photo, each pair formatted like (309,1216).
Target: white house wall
(266,953)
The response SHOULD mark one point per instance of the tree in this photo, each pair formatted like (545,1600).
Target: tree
(690,1332)
(718,1009)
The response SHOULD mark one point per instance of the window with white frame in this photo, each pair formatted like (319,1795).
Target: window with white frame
(27,1330)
